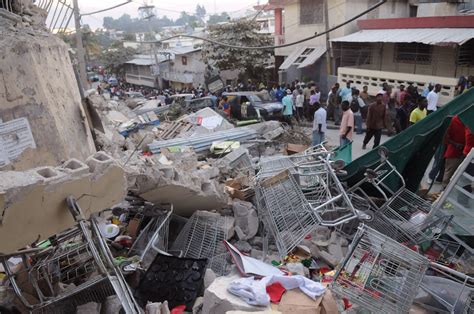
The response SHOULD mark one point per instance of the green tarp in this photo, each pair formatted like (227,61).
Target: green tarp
(411,150)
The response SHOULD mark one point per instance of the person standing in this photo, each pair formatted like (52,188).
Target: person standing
(299,105)
(279,94)
(346,92)
(376,117)
(432,98)
(419,113)
(356,104)
(319,124)
(366,98)
(347,124)
(455,140)
(288,107)
(332,103)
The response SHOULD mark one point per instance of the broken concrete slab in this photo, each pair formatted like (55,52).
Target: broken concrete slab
(246,219)
(34,201)
(218,300)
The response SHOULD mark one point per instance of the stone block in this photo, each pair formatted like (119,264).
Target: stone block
(218,300)
(99,162)
(74,167)
(49,174)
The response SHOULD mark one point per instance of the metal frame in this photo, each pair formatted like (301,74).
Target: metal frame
(379,274)
(80,256)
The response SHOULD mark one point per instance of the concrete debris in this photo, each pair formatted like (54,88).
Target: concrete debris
(97,185)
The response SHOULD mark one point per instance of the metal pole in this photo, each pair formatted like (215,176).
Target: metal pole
(79,46)
(328,43)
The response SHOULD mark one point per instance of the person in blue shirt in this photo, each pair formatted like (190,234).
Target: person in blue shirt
(213,100)
(279,94)
(346,92)
(288,107)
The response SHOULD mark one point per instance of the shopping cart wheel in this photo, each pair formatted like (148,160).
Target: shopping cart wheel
(383,152)
(364,215)
(371,174)
(338,164)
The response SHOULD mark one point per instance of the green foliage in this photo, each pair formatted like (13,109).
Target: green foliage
(241,33)
(114,59)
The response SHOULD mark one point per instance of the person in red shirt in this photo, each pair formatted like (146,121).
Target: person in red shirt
(455,140)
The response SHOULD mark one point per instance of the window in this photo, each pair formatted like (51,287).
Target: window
(465,55)
(311,12)
(412,53)
(303,56)
(413,10)
(184,60)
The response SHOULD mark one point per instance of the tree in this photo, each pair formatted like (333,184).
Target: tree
(242,33)
(115,59)
(186,19)
(200,12)
(218,18)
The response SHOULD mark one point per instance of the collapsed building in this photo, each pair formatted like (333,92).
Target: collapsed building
(188,212)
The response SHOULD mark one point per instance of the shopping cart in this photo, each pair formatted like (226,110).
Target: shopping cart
(399,214)
(153,239)
(285,212)
(379,274)
(384,276)
(76,268)
(203,237)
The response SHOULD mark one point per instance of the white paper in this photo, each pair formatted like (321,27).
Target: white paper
(211,123)
(15,137)
(252,266)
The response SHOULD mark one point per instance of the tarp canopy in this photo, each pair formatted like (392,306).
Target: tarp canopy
(429,36)
(303,57)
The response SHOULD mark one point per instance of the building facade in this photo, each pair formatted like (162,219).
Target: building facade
(315,59)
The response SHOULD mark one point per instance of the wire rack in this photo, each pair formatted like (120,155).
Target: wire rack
(202,237)
(78,258)
(285,211)
(380,274)
(405,217)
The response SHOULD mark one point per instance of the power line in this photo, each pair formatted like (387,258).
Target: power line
(111,8)
(285,45)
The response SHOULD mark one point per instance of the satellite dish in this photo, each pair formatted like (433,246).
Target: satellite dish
(157,36)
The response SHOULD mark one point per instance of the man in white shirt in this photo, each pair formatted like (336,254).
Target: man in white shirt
(432,99)
(319,124)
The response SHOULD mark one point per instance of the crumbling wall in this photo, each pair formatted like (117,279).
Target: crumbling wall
(37,82)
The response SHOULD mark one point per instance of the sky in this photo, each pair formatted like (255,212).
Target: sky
(169,8)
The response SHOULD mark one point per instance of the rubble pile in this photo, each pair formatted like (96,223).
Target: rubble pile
(193,214)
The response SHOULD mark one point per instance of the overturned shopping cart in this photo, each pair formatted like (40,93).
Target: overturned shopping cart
(75,268)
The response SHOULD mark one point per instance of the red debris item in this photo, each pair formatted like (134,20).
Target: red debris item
(147,154)
(324,270)
(178,309)
(347,304)
(275,291)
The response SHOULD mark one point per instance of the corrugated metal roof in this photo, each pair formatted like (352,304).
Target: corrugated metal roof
(429,36)
(313,57)
(141,61)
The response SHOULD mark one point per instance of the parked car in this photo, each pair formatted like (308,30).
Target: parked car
(268,110)
(197,104)
(112,81)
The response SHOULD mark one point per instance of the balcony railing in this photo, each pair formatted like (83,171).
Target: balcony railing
(375,79)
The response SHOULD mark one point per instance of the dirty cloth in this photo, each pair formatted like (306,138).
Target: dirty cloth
(254,291)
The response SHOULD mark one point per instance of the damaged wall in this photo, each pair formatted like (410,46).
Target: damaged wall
(37,82)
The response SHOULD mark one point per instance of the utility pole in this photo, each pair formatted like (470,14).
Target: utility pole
(328,42)
(146,11)
(81,61)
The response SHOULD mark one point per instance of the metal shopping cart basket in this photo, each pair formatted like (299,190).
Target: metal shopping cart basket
(379,274)
(399,214)
(78,259)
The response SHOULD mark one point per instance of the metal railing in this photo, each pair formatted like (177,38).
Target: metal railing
(60,13)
